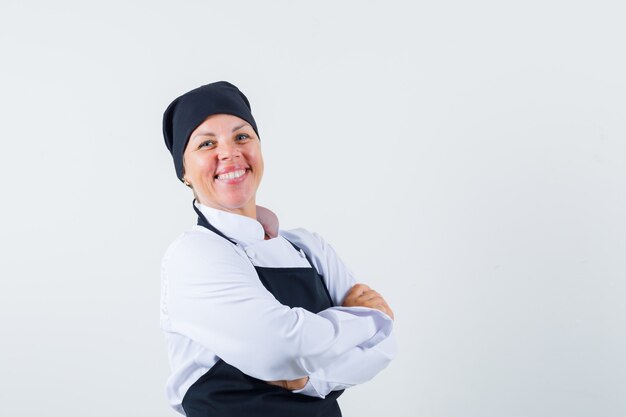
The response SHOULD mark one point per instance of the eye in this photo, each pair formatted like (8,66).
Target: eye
(206,144)
(242,137)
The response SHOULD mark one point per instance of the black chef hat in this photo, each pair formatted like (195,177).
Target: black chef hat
(188,111)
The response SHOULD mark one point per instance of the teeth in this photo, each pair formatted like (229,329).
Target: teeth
(231,175)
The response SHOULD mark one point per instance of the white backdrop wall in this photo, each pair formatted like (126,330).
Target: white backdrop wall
(466,159)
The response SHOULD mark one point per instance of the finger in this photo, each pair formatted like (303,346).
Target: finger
(389,310)
(368,295)
(297,383)
(282,383)
(378,304)
(358,289)
(370,299)
(365,300)
(375,298)
(360,301)
(386,309)
(354,293)
(375,305)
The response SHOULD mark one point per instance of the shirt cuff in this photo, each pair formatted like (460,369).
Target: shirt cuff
(309,389)
(381,323)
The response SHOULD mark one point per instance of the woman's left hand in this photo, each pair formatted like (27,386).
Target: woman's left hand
(291,385)
(360,295)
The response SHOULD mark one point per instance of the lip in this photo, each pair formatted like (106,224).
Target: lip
(232,181)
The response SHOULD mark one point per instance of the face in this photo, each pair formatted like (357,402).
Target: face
(224,165)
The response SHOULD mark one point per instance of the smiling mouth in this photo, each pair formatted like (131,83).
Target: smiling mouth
(232,175)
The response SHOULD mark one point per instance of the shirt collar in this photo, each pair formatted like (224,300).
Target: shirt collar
(243,229)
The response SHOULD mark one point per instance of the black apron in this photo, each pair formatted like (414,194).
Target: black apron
(225,391)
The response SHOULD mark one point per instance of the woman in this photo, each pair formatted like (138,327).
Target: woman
(258,321)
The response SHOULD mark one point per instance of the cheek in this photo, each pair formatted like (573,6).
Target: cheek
(257,158)
(197,166)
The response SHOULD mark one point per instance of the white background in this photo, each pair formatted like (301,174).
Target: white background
(466,159)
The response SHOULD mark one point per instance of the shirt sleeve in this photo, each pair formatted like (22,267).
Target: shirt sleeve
(352,368)
(357,365)
(215,298)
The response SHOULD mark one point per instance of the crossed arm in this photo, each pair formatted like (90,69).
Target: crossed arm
(218,301)
(360,295)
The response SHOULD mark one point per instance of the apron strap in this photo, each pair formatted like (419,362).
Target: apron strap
(202,221)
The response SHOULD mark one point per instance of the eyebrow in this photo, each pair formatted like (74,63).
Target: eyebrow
(236,128)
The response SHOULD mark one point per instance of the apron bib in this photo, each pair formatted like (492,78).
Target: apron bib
(225,391)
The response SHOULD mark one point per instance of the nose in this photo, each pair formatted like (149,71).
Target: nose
(228,151)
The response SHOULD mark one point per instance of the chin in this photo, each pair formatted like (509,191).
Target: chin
(236,205)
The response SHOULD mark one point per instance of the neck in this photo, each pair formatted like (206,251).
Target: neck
(249,210)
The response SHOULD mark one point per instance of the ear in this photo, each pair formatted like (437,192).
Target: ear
(187,183)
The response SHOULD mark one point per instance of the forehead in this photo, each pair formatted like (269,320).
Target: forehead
(218,123)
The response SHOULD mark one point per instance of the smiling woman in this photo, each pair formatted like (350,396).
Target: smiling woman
(224,165)
(259,321)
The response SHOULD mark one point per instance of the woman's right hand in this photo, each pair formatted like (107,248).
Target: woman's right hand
(291,385)
(360,295)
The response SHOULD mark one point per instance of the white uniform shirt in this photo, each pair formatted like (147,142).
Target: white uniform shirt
(214,306)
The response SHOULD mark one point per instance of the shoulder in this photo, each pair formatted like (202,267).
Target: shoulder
(303,237)
(193,240)
(198,247)
(311,242)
